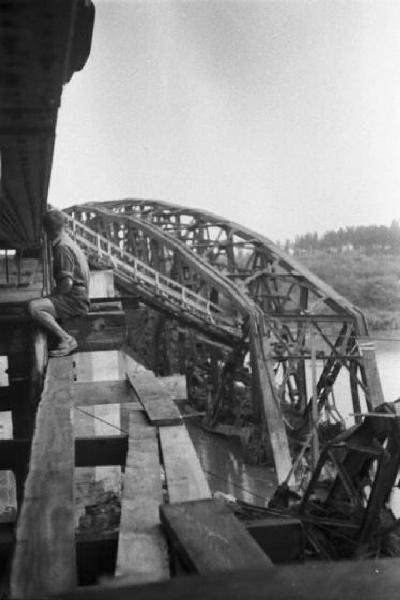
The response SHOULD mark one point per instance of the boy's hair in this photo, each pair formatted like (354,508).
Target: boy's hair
(53,220)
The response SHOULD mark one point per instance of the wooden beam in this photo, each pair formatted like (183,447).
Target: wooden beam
(158,406)
(46,533)
(142,551)
(209,538)
(349,579)
(90,393)
(185,477)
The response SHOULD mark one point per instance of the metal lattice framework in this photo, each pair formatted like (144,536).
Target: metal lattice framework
(307,343)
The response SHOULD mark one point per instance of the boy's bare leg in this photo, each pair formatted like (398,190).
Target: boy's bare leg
(43,312)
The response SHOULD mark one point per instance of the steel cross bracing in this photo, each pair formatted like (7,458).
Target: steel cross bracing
(293,318)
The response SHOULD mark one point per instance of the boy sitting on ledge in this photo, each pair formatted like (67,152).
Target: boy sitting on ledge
(71,295)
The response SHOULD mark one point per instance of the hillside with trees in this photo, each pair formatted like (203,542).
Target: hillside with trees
(368,239)
(361,263)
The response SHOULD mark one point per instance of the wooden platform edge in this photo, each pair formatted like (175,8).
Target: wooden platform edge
(44,561)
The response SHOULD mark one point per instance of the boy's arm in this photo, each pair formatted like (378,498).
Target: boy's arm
(63,269)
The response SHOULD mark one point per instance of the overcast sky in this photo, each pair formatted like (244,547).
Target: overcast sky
(281,115)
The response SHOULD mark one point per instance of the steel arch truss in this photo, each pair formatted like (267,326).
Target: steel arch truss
(308,344)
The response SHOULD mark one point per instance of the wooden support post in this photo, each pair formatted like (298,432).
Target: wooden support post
(44,560)
(142,552)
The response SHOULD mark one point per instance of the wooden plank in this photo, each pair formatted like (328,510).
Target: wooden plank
(90,393)
(347,579)
(185,477)
(209,538)
(159,407)
(174,386)
(44,559)
(142,551)
(129,412)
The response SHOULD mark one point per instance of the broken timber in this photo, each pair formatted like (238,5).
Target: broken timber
(44,558)
(142,551)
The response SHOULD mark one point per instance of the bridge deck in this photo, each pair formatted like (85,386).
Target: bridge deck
(45,553)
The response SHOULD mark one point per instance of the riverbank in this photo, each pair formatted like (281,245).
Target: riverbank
(371,282)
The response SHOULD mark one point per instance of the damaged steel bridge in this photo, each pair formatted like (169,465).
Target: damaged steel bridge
(248,306)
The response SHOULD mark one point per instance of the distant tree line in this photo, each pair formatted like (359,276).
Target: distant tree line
(369,239)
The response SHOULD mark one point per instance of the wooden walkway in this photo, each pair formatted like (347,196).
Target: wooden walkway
(167,510)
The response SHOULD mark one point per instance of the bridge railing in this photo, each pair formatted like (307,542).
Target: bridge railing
(130,267)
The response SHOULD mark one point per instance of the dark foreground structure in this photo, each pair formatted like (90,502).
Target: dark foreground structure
(265,348)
